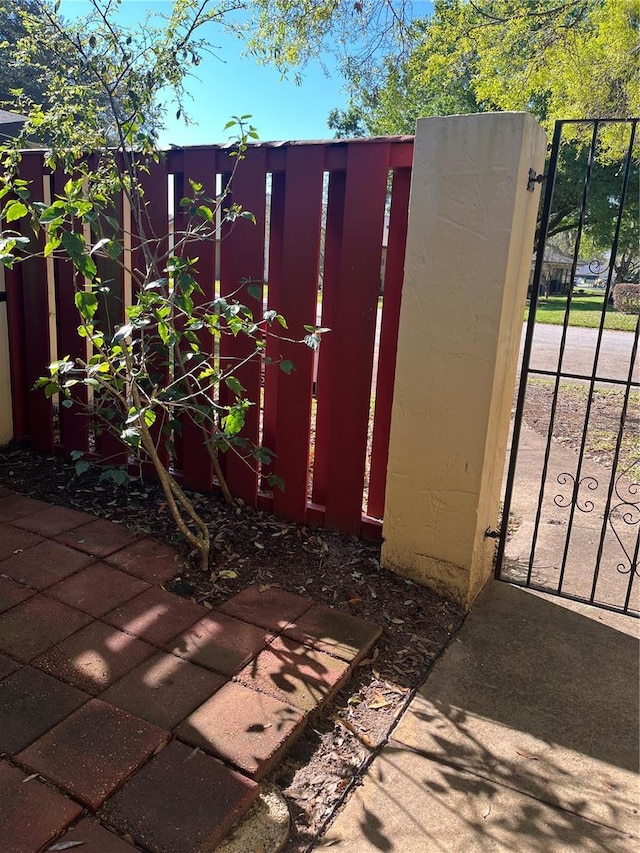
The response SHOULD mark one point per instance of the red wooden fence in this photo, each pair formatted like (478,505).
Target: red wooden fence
(323,224)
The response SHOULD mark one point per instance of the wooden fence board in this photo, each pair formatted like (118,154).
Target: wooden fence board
(359,286)
(199,165)
(394,272)
(36,313)
(298,291)
(327,364)
(242,260)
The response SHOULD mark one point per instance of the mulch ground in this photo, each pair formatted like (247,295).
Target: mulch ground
(345,573)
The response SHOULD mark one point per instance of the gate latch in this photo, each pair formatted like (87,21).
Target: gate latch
(534,179)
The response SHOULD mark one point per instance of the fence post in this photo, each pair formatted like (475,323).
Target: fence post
(6,412)
(469,245)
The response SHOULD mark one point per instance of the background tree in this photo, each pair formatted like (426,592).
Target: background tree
(556,60)
(572,59)
(12,74)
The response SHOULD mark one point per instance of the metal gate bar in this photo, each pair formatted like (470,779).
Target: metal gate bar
(616,505)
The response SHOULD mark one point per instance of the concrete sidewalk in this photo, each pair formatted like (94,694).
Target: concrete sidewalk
(524,738)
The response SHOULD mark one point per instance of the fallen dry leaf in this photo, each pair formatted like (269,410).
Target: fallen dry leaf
(379,702)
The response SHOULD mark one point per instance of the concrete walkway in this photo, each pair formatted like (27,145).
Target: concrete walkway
(129,717)
(524,738)
(614,582)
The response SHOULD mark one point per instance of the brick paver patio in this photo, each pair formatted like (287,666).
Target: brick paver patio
(134,719)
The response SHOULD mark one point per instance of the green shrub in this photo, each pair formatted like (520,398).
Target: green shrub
(626,297)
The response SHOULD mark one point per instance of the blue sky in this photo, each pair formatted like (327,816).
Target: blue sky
(237,85)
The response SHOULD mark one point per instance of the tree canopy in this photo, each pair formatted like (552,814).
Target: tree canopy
(572,59)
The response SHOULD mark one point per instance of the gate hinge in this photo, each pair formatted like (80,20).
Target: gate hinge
(3,296)
(534,179)
(491,534)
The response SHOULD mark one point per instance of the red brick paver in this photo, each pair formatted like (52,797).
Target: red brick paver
(99,537)
(30,704)
(7,666)
(44,564)
(93,751)
(13,541)
(268,606)
(97,589)
(81,616)
(37,624)
(156,616)
(95,657)
(295,674)
(12,593)
(180,802)
(164,689)
(89,835)
(220,642)
(14,506)
(53,520)
(31,814)
(334,632)
(147,559)
(249,729)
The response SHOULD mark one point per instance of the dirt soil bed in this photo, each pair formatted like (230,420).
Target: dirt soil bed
(251,546)
(603,425)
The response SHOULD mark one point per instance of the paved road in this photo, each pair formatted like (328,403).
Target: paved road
(580,349)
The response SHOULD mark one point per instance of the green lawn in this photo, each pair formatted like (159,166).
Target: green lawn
(585,311)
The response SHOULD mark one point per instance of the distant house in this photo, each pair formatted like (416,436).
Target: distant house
(10,125)
(556,273)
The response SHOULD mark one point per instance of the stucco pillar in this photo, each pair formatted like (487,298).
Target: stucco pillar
(469,244)
(6,418)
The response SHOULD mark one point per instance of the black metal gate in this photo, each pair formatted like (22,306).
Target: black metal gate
(571,511)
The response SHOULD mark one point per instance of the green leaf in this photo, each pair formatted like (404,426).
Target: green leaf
(263,454)
(119,476)
(233,384)
(51,245)
(287,366)
(276,481)
(255,290)
(233,422)
(81,467)
(227,574)
(86,303)
(205,212)
(15,210)
(67,403)
(184,302)
(75,247)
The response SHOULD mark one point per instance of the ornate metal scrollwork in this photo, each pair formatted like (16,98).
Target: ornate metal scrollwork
(564,501)
(626,511)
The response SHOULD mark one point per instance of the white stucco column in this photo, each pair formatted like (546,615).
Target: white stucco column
(469,245)
(6,418)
